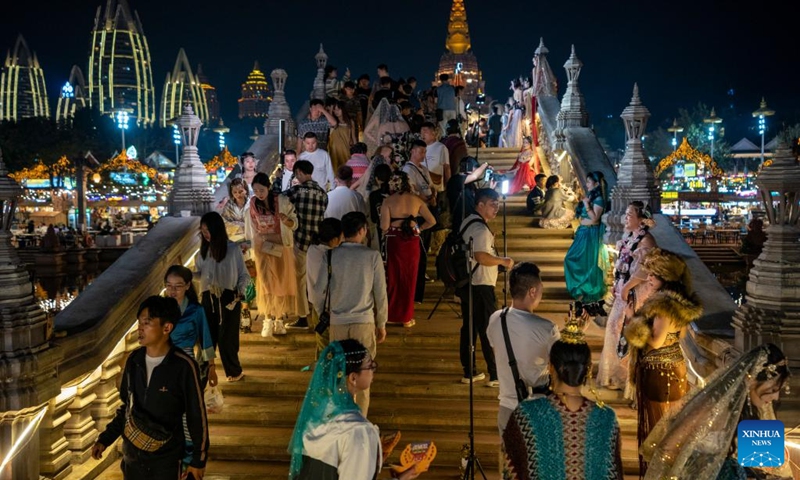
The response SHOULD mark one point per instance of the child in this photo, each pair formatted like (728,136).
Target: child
(249,297)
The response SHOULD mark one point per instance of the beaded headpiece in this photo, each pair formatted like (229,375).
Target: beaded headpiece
(573,330)
(357,354)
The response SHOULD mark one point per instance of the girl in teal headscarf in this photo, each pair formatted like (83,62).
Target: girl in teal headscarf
(332,439)
(586,262)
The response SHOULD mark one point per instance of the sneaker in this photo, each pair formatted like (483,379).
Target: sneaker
(279,328)
(493,383)
(475,378)
(300,324)
(267,327)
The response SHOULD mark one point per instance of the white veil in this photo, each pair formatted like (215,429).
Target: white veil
(695,438)
(386,119)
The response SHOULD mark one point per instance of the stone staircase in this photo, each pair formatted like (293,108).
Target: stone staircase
(417,387)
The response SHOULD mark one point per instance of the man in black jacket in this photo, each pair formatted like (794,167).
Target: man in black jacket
(159,385)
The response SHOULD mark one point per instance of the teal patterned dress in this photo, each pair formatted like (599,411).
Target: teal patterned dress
(545,440)
(586,262)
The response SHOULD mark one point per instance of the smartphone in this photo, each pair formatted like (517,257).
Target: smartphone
(488,174)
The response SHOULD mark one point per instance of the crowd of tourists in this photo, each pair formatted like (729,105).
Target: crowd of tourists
(337,244)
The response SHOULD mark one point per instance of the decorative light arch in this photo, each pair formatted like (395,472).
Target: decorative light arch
(687,153)
(122,162)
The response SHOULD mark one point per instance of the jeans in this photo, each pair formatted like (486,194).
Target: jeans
(484,303)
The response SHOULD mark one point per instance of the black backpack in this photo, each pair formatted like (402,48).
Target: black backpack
(452,262)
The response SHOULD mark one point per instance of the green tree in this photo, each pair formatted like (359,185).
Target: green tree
(696,132)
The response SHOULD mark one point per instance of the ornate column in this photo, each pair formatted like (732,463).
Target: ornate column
(772,311)
(573,107)
(107,399)
(279,108)
(80,429)
(54,454)
(27,363)
(635,178)
(190,191)
(319,80)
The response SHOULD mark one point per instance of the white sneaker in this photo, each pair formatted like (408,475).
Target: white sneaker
(280,328)
(267,327)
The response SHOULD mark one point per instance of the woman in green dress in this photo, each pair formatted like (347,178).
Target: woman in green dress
(586,262)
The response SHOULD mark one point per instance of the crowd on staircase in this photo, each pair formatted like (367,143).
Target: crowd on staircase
(339,243)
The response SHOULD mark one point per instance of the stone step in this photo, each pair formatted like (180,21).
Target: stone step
(444,360)
(246,443)
(549,273)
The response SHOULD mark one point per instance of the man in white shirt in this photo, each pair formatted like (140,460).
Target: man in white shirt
(437,157)
(342,200)
(323,169)
(530,336)
(418,175)
(484,279)
(287,175)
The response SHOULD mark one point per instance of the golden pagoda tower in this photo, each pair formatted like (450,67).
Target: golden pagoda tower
(255,99)
(459,62)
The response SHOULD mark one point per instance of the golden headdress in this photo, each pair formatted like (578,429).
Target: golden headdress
(668,266)
(573,329)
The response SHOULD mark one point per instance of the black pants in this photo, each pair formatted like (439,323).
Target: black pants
(138,465)
(484,304)
(224,326)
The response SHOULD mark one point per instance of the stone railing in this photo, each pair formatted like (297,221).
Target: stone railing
(92,337)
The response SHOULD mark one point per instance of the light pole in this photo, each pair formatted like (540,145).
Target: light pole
(712,122)
(675,129)
(762,113)
(122,124)
(176,139)
(221,130)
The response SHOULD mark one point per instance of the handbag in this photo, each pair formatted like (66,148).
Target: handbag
(519,384)
(325,316)
(143,433)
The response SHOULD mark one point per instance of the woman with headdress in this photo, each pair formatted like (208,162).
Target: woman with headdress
(399,214)
(586,262)
(386,121)
(636,242)
(525,168)
(270,225)
(657,365)
(705,426)
(332,439)
(564,434)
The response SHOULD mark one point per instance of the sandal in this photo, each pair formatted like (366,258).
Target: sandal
(237,378)
(410,323)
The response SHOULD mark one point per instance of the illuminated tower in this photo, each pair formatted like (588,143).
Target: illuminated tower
(180,88)
(459,62)
(120,75)
(22,90)
(212,102)
(73,95)
(255,99)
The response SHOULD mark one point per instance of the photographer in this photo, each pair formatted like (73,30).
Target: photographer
(463,186)
(484,279)
(529,335)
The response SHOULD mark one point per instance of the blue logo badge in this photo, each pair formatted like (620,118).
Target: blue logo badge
(761,443)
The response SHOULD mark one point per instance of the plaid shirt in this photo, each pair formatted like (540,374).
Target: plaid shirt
(310,202)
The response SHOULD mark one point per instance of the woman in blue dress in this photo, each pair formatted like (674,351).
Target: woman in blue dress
(586,262)
(192,329)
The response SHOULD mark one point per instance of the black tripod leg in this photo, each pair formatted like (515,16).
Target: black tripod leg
(430,315)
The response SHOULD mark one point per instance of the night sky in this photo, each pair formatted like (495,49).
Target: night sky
(681,53)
